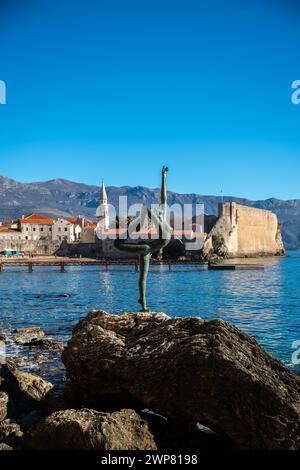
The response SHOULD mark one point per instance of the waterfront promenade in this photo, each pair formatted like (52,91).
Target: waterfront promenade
(62,262)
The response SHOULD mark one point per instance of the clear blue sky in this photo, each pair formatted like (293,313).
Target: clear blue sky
(115,89)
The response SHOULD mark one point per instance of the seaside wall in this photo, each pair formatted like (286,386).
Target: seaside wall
(242,231)
(84,250)
(36,247)
(101,249)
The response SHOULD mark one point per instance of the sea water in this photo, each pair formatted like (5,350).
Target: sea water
(264,303)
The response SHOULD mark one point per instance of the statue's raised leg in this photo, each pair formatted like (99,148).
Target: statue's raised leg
(144,268)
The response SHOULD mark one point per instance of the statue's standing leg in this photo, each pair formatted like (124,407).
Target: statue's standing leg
(144,268)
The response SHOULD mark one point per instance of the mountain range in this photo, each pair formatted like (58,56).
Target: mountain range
(60,197)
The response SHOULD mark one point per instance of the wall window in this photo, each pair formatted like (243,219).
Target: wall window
(34,229)
(59,229)
(42,229)
(66,229)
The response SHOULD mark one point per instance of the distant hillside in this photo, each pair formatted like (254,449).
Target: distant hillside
(63,197)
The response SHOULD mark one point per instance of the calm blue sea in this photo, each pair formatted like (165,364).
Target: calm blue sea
(265,304)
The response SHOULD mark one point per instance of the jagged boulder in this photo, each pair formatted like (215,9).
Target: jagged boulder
(189,370)
(26,390)
(89,429)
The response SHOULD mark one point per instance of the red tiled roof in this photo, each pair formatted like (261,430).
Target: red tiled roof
(37,219)
(78,220)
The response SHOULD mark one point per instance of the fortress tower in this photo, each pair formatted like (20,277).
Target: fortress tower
(102,210)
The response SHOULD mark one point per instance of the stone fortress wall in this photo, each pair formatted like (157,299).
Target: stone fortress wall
(242,231)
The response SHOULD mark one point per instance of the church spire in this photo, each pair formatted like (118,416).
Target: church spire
(102,212)
(103,198)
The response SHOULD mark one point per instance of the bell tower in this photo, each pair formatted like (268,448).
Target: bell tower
(102,210)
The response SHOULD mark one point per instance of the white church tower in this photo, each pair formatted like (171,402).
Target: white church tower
(102,211)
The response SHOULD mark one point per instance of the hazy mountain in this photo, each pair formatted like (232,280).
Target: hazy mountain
(63,197)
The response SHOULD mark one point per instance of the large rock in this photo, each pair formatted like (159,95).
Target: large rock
(190,370)
(26,390)
(88,429)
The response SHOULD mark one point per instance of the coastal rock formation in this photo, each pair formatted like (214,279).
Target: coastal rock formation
(26,335)
(88,429)
(5,446)
(10,433)
(188,370)
(54,400)
(3,405)
(26,390)
(20,361)
(45,343)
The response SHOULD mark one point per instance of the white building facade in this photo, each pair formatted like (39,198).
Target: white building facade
(62,230)
(36,227)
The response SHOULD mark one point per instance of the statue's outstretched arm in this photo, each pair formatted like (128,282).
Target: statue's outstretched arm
(163,193)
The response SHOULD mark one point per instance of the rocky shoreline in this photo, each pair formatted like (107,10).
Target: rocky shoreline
(144,382)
